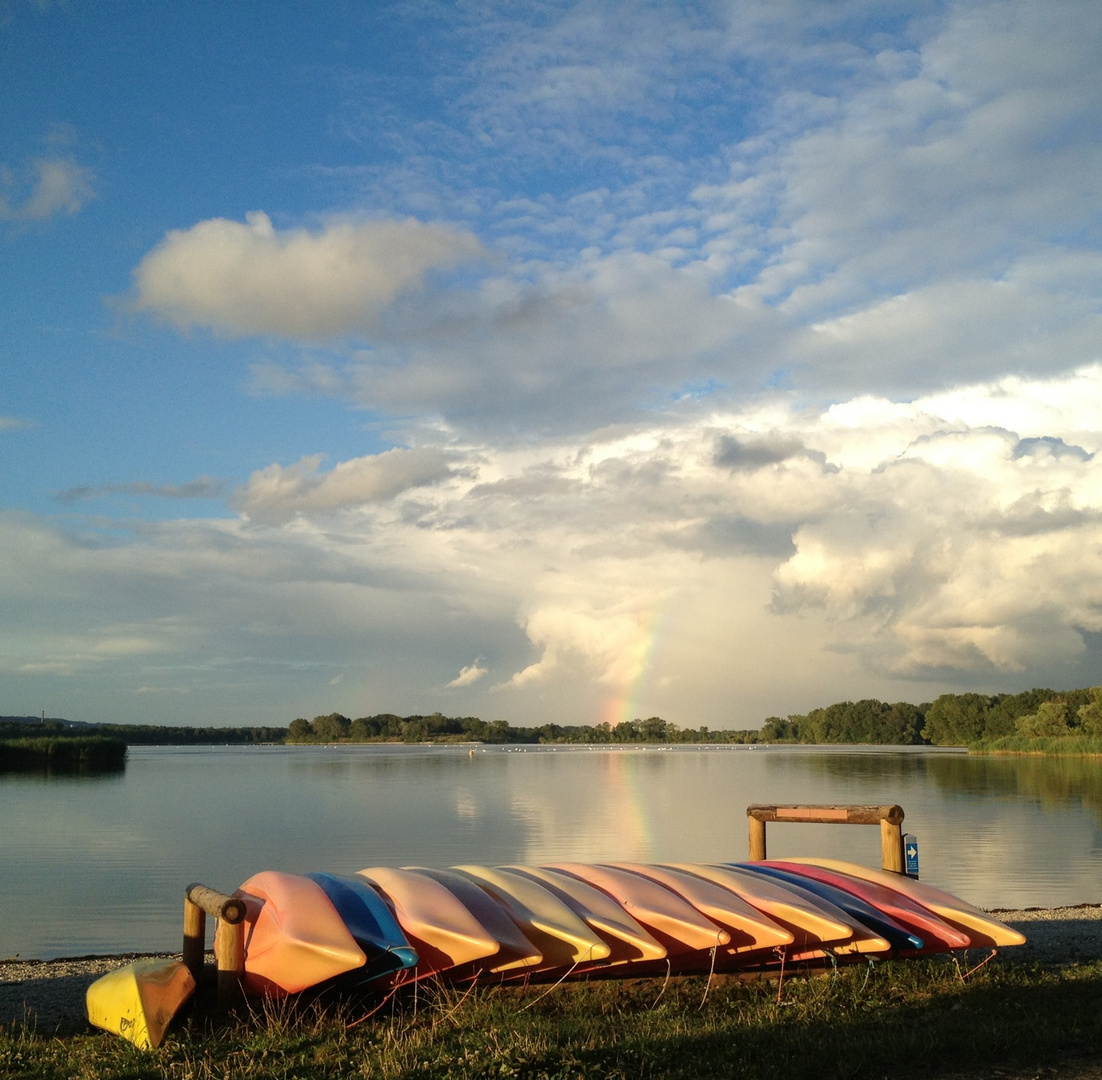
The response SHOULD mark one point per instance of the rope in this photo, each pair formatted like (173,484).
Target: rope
(711,972)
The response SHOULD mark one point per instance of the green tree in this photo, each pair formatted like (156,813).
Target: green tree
(957,719)
(363,728)
(1090,715)
(300,729)
(332,728)
(1051,718)
(652,729)
(778,729)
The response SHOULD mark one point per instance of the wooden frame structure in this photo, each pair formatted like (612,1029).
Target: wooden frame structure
(199,902)
(889,818)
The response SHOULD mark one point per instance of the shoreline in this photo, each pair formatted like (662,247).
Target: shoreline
(47,996)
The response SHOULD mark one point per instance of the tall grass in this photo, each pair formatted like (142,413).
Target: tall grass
(915,1018)
(75,753)
(1050,745)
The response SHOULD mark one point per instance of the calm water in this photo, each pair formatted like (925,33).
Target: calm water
(99,864)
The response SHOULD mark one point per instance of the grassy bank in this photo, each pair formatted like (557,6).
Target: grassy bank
(901,1019)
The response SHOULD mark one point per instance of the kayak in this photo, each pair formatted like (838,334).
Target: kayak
(810,923)
(749,928)
(896,934)
(562,938)
(937,935)
(139,999)
(294,936)
(627,940)
(515,952)
(981,929)
(444,932)
(679,926)
(384,927)
(371,924)
(859,938)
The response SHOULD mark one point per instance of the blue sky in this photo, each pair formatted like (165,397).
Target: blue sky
(546,362)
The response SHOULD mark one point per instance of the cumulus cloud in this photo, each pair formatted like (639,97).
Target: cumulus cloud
(566,350)
(885,214)
(945,546)
(744,454)
(605,646)
(254,279)
(968,548)
(278,493)
(468,675)
(44,188)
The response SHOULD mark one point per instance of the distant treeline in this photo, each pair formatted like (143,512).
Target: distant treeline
(27,727)
(978,720)
(1034,719)
(388,727)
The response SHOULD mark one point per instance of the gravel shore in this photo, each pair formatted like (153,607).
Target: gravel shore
(49,994)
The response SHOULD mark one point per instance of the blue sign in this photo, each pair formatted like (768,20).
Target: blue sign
(910,851)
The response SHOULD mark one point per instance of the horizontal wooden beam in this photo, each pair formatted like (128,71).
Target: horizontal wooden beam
(230,909)
(833,814)
(889,818)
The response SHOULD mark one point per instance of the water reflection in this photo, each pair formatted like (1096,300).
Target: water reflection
(1000,832)
(1052,782)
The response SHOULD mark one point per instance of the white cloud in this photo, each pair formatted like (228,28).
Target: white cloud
(48,186)
(254,279)
(278,493)
(673,567)
(468,675)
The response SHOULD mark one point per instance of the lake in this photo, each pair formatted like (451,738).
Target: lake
(97,865)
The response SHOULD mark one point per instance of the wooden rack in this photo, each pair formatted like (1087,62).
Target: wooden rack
(229,943)
(889,818)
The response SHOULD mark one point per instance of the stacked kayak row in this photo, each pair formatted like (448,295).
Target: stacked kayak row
(383,927)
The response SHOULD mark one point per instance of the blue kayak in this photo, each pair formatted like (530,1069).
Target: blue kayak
(371,923)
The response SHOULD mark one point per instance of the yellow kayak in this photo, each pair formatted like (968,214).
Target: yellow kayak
(515,952)
(542,917)
(139,1000)
(442,930)
(626,938)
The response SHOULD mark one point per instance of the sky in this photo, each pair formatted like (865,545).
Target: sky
(546,361)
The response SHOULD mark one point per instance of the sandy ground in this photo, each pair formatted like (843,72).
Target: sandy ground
(49,995)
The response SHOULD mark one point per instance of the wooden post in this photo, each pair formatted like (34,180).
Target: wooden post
(757,838)
(230,955)
(195,937)
(200,901)
(891,846)
(889,818)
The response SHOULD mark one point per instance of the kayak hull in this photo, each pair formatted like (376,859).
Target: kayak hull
(139,1000)
(294,936)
